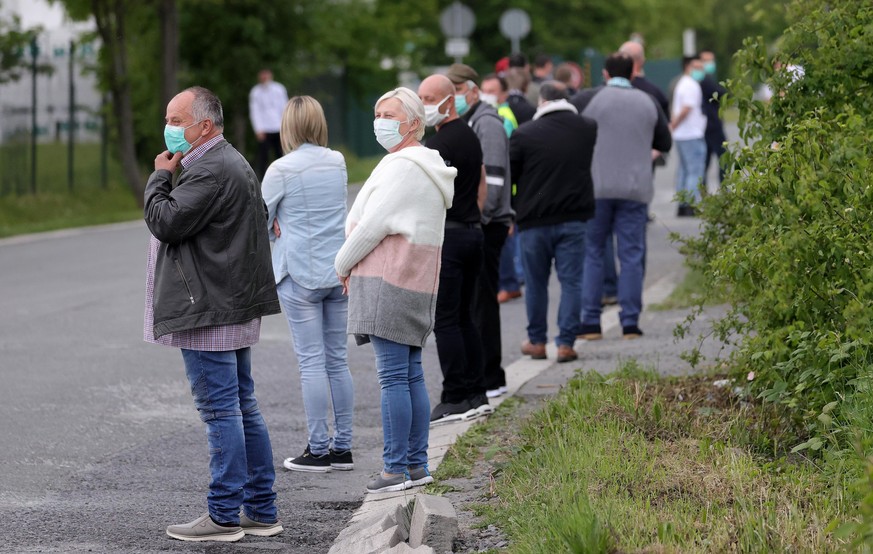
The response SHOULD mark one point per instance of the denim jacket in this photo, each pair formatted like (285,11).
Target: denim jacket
(306,191)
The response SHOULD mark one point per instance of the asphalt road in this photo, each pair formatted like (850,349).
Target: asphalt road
(100,445)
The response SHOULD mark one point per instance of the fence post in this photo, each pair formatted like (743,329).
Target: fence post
(72,118)
(34,52)
(104,142)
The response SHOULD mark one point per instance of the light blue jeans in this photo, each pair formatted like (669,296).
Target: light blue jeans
(405,405)
(318,320)
(692,166)
(240,455)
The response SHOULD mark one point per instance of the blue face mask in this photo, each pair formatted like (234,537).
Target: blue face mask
(461,104)
(387,132)
(709,67)
(698,74)
(174,138)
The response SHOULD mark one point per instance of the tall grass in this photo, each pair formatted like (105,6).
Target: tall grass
(639,463)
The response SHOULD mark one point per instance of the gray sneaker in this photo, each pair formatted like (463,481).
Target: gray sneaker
(258,529)
(418,476)
(387,484)
(204,529)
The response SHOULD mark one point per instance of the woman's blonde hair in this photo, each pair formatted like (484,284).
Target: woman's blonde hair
(303,122)
(412,106)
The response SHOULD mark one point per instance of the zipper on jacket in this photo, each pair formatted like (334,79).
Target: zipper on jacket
(184,280)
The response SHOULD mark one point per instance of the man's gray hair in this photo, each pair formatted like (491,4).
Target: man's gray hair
(411,104)
(206,105)
(553,90)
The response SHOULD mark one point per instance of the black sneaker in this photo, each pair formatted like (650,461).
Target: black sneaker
(448,412)
(481,405)
(341,460)
(308,462)
(630,332)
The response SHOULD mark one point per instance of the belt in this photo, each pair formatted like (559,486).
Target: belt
(462,225)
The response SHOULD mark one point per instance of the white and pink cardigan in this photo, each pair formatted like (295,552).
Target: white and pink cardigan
(394,241)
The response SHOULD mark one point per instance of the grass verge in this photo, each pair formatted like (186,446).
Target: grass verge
(55,207)
(638,463)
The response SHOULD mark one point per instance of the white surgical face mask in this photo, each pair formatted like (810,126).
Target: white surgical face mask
(387,132)
(432,115)
(490,99)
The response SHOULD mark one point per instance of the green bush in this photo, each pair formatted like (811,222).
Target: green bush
(788,239)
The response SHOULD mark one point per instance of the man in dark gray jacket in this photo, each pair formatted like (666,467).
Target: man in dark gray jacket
(497,216)
(630,125)
(209,280)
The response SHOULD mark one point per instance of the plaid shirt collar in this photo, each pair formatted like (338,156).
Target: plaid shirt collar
(195,154)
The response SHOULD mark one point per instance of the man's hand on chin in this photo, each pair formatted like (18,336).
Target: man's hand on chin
(168,161)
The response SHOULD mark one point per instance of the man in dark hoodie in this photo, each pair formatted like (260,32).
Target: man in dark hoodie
(551,166)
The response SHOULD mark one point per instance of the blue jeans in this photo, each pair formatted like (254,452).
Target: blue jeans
(405,405)
(565,244)
(610,273)
(692,166)
(240,455)
(627,219)
(318,320)
(511,272)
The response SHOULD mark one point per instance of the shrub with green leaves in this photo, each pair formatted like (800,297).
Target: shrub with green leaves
(788,239)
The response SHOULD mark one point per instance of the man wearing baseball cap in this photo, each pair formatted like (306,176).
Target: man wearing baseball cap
(497,214)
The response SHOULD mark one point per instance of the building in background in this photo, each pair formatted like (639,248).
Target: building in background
(52,87)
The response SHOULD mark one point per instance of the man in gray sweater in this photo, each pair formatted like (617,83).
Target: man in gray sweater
(630,125)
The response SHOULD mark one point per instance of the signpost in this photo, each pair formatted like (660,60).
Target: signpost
(457,23)
(515,25)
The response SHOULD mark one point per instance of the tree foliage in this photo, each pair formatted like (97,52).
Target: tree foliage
(14,43)
(788,237)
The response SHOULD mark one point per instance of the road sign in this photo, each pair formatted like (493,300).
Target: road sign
(515,25)
(457,48)
(457,21)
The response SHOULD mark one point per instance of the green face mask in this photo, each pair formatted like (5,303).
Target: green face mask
(174,137)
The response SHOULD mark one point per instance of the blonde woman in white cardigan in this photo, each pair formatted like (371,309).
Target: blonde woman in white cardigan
(390,265)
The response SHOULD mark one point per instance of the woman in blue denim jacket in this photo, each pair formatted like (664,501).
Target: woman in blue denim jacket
(305,192)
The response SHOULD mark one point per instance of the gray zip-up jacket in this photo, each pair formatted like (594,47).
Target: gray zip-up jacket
(488,126)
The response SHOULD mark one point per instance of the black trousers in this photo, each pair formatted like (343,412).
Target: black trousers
(714,148)
(486,310)
(458,344)
(271,142)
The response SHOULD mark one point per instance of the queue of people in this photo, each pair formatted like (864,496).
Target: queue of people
(429,246)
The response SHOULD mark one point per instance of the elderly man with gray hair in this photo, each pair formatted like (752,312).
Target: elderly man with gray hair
(209,280)
(551,165)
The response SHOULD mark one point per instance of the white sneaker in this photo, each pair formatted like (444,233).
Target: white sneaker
(494,393)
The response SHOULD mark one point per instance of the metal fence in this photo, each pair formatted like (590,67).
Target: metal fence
(51,127)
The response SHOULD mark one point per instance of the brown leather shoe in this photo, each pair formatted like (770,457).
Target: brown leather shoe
(535,351)
(507,295)
(566,354)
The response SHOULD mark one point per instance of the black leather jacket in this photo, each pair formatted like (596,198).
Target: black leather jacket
(213,265)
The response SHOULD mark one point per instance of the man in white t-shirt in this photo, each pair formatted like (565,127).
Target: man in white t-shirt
(267,102)
(688,124)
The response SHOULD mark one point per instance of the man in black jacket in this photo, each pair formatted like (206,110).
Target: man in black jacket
(209,280)
(551,165)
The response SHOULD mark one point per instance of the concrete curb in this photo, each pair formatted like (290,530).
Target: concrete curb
(378,525)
